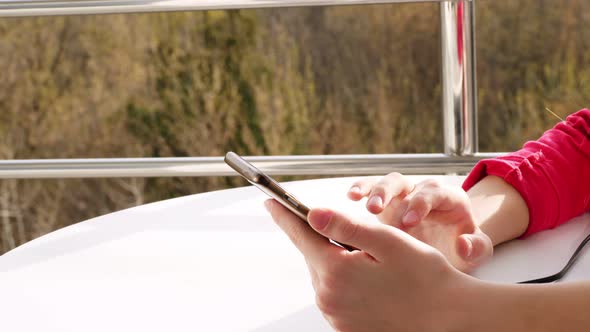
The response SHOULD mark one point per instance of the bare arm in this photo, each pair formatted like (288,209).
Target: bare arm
(499,210)
(551,174)
(503,215)
(539,308)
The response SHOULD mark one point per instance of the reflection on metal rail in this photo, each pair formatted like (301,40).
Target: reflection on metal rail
(459,102)
(77,7)
(214,166)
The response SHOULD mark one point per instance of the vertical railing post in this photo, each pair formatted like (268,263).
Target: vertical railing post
(459,97)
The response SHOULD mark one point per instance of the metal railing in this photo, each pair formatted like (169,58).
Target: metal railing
(458,102)
(78,7)
(431,163)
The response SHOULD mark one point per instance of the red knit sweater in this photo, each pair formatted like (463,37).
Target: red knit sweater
(552,174)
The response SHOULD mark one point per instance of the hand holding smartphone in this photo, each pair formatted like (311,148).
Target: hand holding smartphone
(271,187)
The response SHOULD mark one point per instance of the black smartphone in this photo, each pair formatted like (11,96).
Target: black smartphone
(271,187)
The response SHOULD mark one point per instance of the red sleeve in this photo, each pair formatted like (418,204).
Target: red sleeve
(552,174)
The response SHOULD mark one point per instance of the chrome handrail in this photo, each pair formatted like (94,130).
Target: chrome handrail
(458,104)
(459,93)
(214,166)
(78,7)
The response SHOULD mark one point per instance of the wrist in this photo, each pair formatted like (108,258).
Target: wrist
(499,210)
(461,305)
(488,307)
(474,306)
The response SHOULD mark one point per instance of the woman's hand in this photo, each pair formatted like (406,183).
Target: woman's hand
(392,283)
(438,215)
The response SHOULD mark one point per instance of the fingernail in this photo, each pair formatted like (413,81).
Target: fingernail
(355,190)
(375,201)
(321,220)
(267,205)
(410,217)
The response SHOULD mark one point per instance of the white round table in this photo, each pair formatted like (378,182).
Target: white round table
(207,262)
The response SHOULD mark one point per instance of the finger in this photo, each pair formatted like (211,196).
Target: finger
(474,248)
(311,244)
(430,198)
(376,240)
(391,185)
(394,211)
(418,207)
(361,188)
(398,206)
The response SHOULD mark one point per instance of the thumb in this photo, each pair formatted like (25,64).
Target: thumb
(474,248)
(374,239)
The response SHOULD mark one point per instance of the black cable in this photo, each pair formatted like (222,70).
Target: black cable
(560,274)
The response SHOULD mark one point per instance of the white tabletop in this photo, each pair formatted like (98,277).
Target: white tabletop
(207,262)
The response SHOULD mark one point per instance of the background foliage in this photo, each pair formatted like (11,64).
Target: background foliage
(285,81)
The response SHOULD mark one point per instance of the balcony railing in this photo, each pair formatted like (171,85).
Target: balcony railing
(458,102)
(78,7)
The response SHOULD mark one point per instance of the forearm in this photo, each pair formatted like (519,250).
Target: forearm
(539,308)
(499,209)
(549,174)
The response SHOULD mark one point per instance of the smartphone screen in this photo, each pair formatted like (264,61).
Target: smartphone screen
(271,187)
